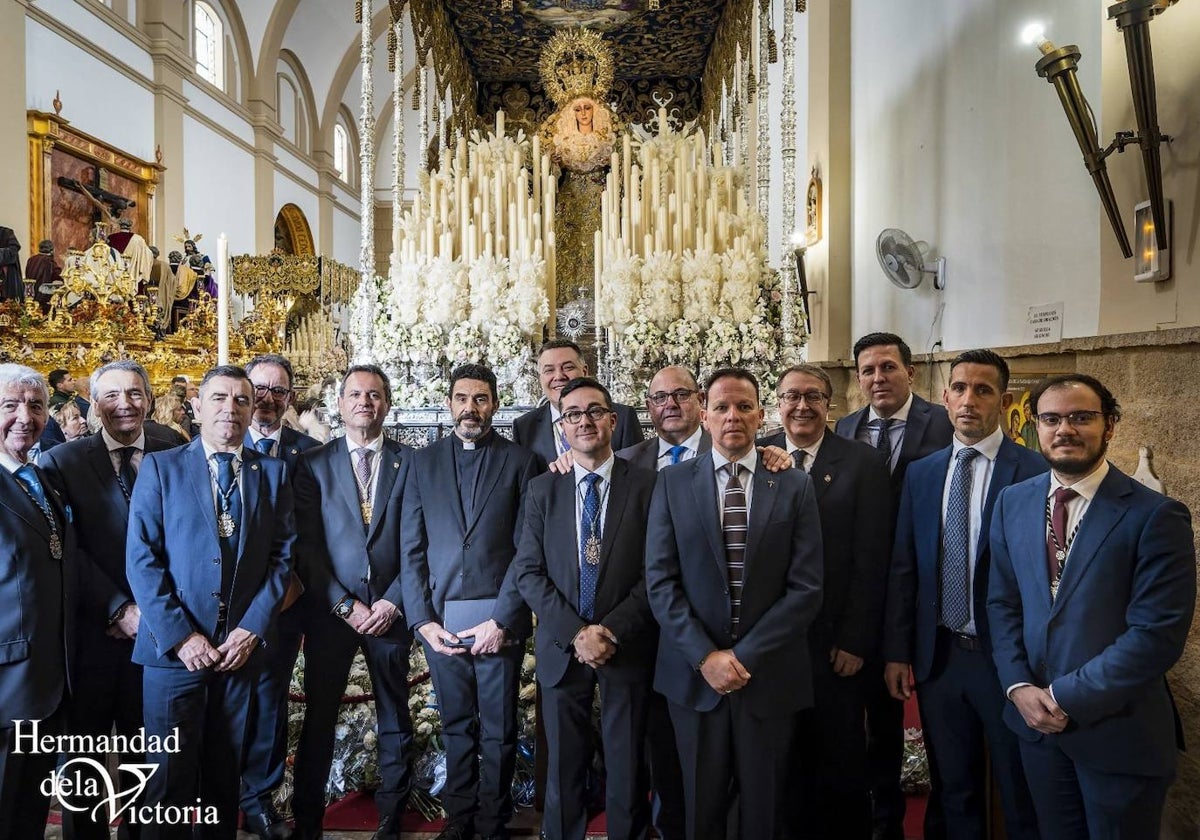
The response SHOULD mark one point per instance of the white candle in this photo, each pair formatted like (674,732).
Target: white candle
(222,300)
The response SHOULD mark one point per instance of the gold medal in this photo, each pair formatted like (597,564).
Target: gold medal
(367,512)
(225,525)
(591,551)
(1053,589)
(56,547)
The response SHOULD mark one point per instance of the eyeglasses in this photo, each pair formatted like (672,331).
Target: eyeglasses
(278,391)
(596,413)
(680,395)
(810,397)
(1075,418)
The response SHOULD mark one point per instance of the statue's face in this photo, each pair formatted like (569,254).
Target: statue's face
(584,114)
(189,247)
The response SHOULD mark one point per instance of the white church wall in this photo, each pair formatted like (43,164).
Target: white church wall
(97,99)
(218,179)
(346,237)
(959,143)
(209,107)
(94,26)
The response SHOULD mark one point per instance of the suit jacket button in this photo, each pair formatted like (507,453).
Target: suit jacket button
(216,561)
(466,546)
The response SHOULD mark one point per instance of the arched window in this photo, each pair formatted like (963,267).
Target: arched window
(341,151)
(208,37)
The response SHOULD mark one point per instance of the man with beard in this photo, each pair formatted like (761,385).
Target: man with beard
(850,480)
(936,627)
(266,739)
(460,530)
(1093,586)
(96,476)
(348,500)
(581,570)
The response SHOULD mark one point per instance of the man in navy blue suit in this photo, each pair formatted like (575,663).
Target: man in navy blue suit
(1093,587)
(96,475)
(36,589)
(903,427)
(540,429)
(348,501)
(208,554)
(936,627)
(266,740)
(580,567)
(733,574)
(460,529)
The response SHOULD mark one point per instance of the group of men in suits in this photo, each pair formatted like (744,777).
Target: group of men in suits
(742,605)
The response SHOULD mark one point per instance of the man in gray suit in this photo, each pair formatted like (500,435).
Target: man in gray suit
(348,498)
(460,529)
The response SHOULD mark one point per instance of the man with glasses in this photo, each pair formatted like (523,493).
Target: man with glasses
(850,481)
(1093,587)
(580,567)
(266,751)
(936,629)
(673,401)
(541,429)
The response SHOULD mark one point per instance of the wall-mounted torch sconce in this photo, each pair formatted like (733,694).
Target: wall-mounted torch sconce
(1151,264)
(1058,65)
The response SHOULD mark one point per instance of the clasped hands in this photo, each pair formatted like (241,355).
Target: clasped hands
(374,620)
(594,645)
(722,670)
(196,652)
(488,635)
(1039,710)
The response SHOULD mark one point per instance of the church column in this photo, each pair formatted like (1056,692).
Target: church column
(828,262)
(14,146)
(266,131)
(166,24)
(326,176)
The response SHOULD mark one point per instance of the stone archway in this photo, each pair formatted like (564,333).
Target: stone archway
(292,233)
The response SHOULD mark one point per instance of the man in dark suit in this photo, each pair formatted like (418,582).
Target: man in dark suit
(208,554)
(1093,587)
(62,390)
(733,572)
(580,567)
(348,500)
(936,629)
(460,529)
(850,481)
(540,429)
(36,588)
(903,427)
(96,476)
(266,740)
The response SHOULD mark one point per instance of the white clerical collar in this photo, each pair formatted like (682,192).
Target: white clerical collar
(901,414)
(1086,486)
(113,444)
(692,444)
(604,470)
(989,447)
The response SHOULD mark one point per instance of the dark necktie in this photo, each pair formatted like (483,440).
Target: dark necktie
(956,544)
(734,524)
(798,458)
(126,474)
(28,477)
(677,452)
(589,559)
(229,502)
(1057,544)
(264,445)
(884,442)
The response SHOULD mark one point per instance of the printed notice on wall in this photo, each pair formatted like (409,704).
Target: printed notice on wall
(1045,323)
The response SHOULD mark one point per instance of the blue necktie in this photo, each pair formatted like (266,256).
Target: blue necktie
(27,475)
(677,453)
(263,445)
(589,527)
(231,503)
(956,540)
(561,437)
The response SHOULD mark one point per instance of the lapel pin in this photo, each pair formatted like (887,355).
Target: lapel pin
(254,466)
(395,465)
(828,478)
(770,482)
(295,451)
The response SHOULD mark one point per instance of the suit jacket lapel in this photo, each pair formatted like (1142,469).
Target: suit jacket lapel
(200,479)
(762,503)
(914,429)
(97,456)
(1030,546)
(1101,516)
(563,542)
(343,478)
(704,488)
(487,482)
(1002,475)
(450,479)
(389,468)
(252,490)
(927,502)
(15,499)
(824,469)
(618,494)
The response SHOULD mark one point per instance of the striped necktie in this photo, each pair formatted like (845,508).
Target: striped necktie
(734,524)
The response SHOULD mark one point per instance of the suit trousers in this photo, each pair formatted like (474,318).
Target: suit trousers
(730,755)
(1074,802)
(477,699)
(567,716)
(329,650)
(107,694)
(885,752)
(962,705)
(667,811)
(266,740)
(211,711)
(23,806)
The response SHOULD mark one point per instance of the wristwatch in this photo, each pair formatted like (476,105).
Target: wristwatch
(344,608)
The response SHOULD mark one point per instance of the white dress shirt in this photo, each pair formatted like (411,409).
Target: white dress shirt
(749,462)
(115,446)
(869,434)
(274,437)
(692,450)
(810,451)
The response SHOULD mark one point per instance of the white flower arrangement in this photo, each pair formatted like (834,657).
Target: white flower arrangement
(722,344)
(641,342)
(447,292)
(683,343)
(425,345)
(620,290)
(488,278)
(739,291)
(662,289)
(527,305)
(701,274)
(464,344)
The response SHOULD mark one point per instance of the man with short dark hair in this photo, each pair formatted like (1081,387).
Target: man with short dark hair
(580,567)
(733,575)
(348,501)
(460,529)
(208,553)
(850,481)
(62,390)
(266,740)
(1092,593)
(903,427)
(540,430)
(96,476)
(936,629)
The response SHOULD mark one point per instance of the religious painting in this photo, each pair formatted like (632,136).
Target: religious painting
(599,15)
(1018,422)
